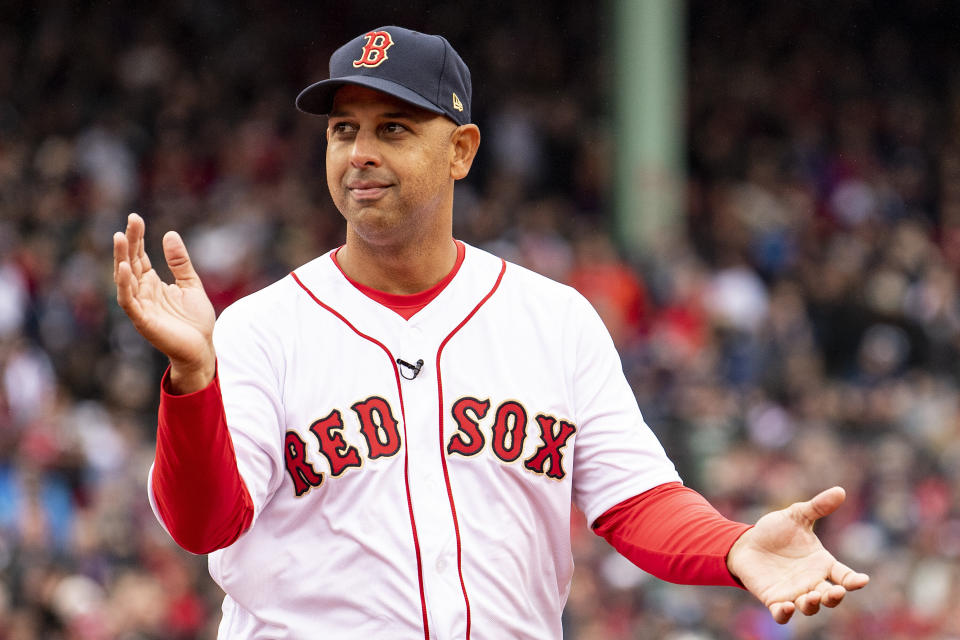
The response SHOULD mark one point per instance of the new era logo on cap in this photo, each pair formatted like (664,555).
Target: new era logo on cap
(415,67)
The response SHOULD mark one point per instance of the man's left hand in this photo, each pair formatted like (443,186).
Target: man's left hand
(782,562)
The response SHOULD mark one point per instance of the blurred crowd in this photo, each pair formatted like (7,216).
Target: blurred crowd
(802,332)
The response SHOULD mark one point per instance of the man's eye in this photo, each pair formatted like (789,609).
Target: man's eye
(394,128)
(342,128)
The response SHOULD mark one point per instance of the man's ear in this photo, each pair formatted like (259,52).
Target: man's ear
(465,141)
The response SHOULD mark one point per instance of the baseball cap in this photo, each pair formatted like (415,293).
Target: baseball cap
(415,67)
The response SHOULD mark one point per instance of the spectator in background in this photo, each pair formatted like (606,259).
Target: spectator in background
(613,288)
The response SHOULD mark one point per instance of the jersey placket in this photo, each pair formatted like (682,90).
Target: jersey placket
(446,605)
(443,577)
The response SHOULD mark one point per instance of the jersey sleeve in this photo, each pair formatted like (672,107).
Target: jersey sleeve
(250,354)
(616,456)
(672,532)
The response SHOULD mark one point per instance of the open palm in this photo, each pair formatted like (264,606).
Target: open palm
(782,562)
(177,318)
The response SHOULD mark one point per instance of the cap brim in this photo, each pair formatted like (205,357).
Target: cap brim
(317,99)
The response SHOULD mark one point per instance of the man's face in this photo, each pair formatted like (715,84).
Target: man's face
(388,166)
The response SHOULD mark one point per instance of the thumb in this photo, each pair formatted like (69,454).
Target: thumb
(175,252)
(822,504)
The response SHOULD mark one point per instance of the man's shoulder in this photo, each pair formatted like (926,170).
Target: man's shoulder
(522,281)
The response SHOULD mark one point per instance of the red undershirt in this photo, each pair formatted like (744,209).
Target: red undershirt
(670,531)
(407,305)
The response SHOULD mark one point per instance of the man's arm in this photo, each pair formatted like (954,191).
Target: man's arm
(672,532)
(675,534)
(199,493)
(196,484)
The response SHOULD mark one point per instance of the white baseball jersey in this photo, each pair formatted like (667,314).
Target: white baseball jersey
(431,507)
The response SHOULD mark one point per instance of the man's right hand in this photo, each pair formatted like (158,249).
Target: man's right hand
(175,318)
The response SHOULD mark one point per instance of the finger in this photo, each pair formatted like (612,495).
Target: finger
(143,257)
(134,233)
(809,603)
(127,287)
(175,252)
(822,504)
(119,252)
(832,595)
(849,579)
(782,611)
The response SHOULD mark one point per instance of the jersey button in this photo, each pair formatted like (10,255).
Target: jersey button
(441,565)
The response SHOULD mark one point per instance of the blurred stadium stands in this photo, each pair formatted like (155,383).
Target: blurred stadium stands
(805,332)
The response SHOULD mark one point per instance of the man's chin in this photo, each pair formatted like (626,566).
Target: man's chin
(378,230)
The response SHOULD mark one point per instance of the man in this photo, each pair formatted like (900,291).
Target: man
(386,443)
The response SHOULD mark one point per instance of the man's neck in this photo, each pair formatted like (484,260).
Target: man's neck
(399,270)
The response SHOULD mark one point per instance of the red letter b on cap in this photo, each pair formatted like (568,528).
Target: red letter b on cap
(375,51)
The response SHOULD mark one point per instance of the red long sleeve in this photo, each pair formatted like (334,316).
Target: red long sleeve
(199,493)
(672,532)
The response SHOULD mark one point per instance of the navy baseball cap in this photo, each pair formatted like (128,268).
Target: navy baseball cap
(415,67)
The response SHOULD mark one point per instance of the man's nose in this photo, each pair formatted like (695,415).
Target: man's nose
(365,152)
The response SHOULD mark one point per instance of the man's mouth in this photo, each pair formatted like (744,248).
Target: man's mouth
(367,190)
